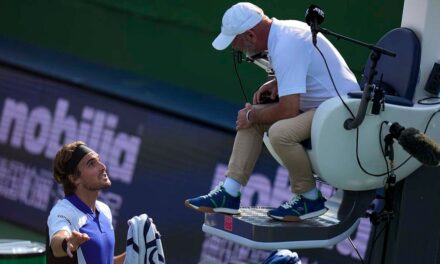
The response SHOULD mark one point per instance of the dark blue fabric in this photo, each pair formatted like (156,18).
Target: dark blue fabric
(399,74)
(307,144)
(100,247)
(303,208)
(130,242)
(283,256)
(220,199)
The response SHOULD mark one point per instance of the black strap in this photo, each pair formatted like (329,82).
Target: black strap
(64,245)
(131,242)
(51,259)
(79,152)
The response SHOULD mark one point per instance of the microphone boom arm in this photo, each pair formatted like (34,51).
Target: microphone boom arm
(367,45)
(351,123)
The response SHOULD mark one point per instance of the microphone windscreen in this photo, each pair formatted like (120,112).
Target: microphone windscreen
(314,12)
(420,146)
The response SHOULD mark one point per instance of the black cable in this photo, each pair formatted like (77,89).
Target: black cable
(383,153)
(429,121)
(357,129)
(382,148)
(378,235)
(357,251)
(400,165)
(237,57)
(424,132)
(359,160)
(420,101)
(375,236)
(372,244)
(333,82)
(351,113)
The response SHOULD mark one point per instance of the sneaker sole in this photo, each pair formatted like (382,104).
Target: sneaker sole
(291,218)
(212,210)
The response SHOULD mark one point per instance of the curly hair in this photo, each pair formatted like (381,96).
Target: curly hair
(60,171)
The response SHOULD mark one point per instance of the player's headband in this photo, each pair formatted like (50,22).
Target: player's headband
(79,153)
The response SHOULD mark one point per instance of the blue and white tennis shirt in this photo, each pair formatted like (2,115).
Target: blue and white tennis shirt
(71,213)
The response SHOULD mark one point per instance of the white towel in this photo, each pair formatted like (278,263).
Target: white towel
(143,242)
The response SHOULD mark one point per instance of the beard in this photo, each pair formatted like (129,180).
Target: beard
(97,187)
(249,49)
(103,183)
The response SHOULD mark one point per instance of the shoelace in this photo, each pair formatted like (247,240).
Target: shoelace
(216,190)
(292,202)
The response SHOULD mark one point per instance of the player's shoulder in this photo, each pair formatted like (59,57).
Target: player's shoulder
(289,36)
(63,210)
(63,205)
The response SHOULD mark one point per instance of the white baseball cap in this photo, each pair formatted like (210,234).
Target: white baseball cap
(236,20)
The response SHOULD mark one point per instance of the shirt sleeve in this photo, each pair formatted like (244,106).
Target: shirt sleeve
(291,61)
(59,219)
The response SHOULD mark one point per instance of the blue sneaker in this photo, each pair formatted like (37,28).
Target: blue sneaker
(216,201)
(299,208)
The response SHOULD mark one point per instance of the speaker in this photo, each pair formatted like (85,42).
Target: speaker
(433,84)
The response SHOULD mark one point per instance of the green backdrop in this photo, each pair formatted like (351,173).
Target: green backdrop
(170,40)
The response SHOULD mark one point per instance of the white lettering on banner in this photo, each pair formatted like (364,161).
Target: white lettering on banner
(40,132)
(25,184)
(39,120)
(260,192)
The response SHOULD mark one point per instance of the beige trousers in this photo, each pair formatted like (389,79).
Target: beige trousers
(285,136)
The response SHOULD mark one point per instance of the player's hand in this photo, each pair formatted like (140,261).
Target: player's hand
(269,88)
(242,121)
(75,241)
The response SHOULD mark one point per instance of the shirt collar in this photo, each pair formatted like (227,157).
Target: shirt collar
(73,199)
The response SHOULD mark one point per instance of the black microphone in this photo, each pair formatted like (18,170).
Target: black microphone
(418,144)
(314,17)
